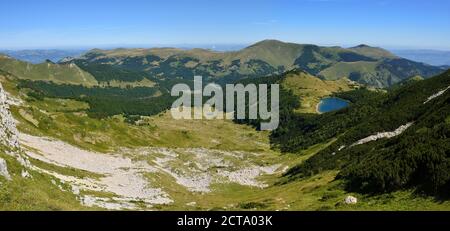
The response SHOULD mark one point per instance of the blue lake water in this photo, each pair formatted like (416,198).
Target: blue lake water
(331,104)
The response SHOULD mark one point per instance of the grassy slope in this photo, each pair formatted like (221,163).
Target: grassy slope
(274,52)
(37,193)
(345,69)
(310,89)
(62,74)
(374,52)
(111,133)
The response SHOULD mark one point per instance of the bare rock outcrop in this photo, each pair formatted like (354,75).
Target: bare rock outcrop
(4,169)
(8,130)
(439,93)
(382,135)
(350,200)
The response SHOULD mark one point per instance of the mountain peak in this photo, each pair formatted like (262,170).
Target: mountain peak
(363,46)
(66,60)
(373,52)
(268,42)
(95,50)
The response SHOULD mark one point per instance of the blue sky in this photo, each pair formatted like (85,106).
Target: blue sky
(101,23)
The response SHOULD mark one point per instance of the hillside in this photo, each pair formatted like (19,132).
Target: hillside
(384,142)
(47,71)
(398,140)
(373,52)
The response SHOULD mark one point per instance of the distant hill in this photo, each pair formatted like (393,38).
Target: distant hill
(373,52)
(47,71)
(39,56)
(363,64)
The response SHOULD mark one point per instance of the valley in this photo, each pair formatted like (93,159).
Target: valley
(95,133)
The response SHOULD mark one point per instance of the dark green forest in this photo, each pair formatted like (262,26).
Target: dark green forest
(107,73)
(105,102)
(418,158)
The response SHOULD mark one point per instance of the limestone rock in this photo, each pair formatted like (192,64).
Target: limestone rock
(8,130)
(350,200)
(382,135)
(4,169)
(25,174)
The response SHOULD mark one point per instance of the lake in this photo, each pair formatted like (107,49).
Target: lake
(331,104)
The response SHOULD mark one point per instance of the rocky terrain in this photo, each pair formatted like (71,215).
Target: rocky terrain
(8,132)
(125,178)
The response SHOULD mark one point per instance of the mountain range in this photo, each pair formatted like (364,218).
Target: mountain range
(41,55)
(366,65)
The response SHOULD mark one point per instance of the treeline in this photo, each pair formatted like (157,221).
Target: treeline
(105,102)
(108,73)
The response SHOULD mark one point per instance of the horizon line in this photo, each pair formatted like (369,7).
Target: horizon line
(211,46)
